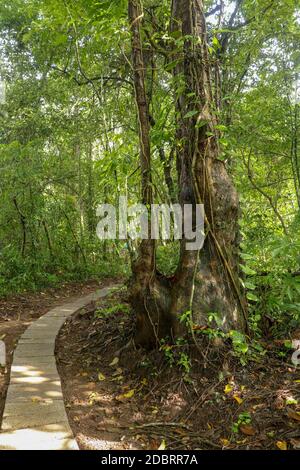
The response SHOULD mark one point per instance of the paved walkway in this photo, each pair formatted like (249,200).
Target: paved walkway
(34,416)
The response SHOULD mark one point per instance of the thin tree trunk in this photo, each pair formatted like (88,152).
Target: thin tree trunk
(90,194)
(23,226)
(294,154)
(48,238)
(143,268)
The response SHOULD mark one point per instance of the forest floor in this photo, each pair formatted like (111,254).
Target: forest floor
(179,397)
(139,399)
(19,311)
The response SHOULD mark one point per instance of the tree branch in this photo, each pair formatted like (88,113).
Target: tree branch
(263,193)
(214,10)
(91,79)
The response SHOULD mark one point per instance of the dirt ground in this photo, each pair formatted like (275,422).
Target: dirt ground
(18,311)
(137,400)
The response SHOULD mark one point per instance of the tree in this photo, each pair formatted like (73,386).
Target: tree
(208,284)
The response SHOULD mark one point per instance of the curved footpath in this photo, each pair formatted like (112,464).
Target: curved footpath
(34,416)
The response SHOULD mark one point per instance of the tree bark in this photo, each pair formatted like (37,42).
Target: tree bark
(143,267)
(90,201)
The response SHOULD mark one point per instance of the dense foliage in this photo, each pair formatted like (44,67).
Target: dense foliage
(69,138)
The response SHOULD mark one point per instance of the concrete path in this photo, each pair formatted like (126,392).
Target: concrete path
(34,416)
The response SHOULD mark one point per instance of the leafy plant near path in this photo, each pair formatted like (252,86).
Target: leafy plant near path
(107,311)
(243,418)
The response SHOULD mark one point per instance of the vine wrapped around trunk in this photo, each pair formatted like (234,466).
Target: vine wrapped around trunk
(208,281)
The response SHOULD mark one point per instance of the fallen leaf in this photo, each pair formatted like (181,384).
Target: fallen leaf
(199,327)
(94,398)
(114,362)
(260,405)
(125,396)
(238,399)
(293,415)
(101,377)
(119,378)
(162,445)
(247,430)
(282,445)
(224,442)
(129,394)
(228,388)
(39,400)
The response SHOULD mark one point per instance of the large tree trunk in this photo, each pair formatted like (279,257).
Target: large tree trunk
(209,282)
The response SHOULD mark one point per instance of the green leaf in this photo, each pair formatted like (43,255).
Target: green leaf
(216,43)
(249,285)
(247,270)
(191,114)
(246,256)
(171,65)
(251,296)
